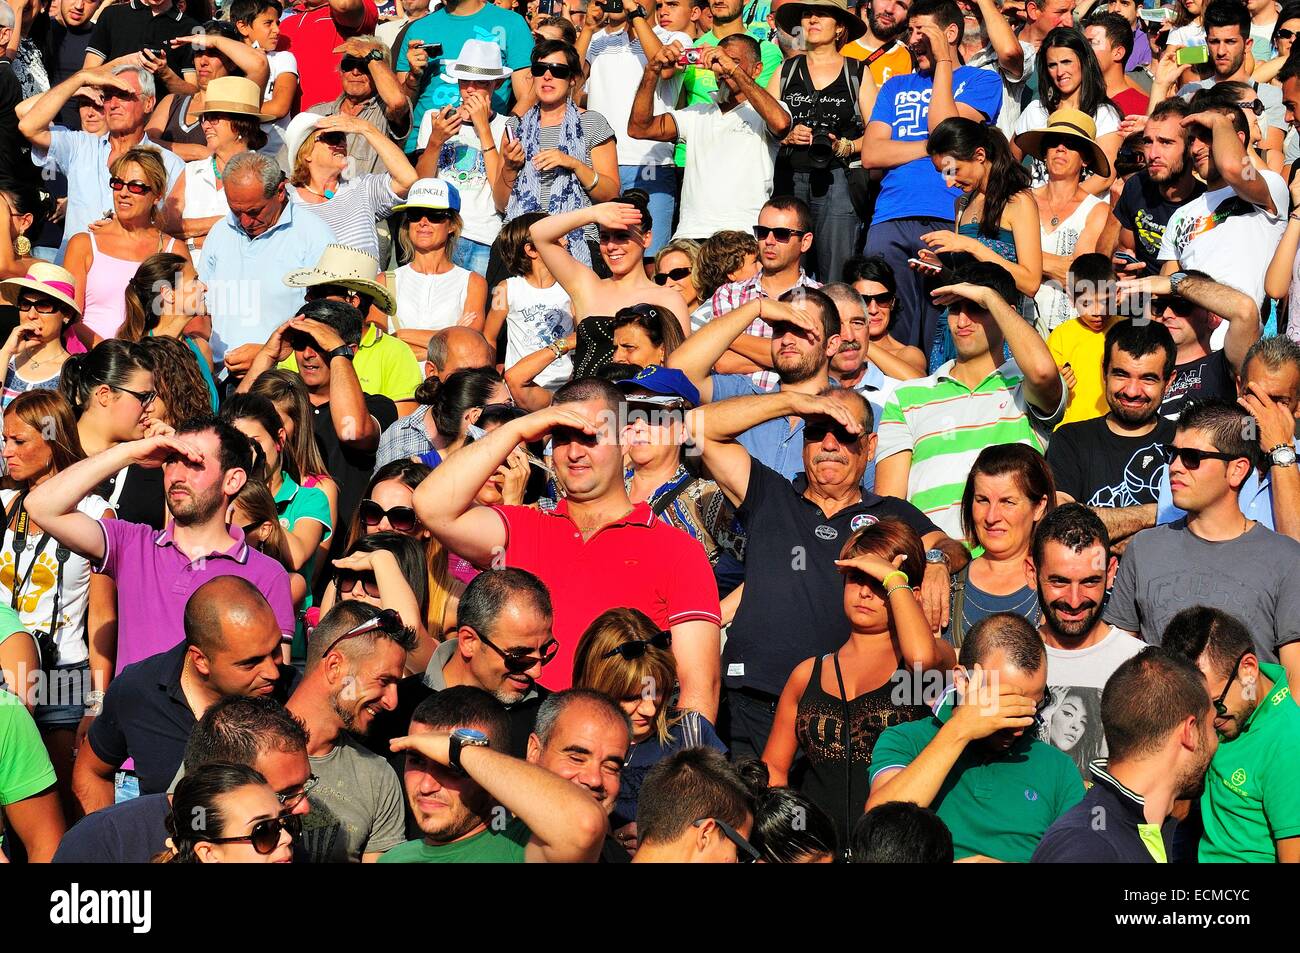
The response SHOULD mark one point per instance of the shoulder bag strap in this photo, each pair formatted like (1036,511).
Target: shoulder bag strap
(848,744)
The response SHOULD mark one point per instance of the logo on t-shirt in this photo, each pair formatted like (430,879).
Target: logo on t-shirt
(826,532)
(861,520)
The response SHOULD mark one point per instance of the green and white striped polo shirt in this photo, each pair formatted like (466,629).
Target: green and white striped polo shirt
(946,424)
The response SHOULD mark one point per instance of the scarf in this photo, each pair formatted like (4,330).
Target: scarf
(567,193)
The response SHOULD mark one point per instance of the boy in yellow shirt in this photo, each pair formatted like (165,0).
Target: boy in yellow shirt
(1079,344)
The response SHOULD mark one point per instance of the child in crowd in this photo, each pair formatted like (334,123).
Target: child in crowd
(258,22)
(1078,344)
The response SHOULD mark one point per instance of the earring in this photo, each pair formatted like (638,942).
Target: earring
(23,246)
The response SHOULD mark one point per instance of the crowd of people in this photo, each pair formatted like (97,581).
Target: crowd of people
(619,431)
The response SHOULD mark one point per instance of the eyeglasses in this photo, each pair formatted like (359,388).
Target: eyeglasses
(434,215)
(294,798)
(557,70)
(780,234)
(1178,305)
(1285,35)
(676,274)
(400,518)
(1193,458)
(1220,708)
(388,621)
(250,528)
(39,305)
(265,835)
(144,397)
(517,661)
(135,186)
(883,300)
(348,579)
(631,651)
(1252,105)
(332,138)
(746,853)
(816,433)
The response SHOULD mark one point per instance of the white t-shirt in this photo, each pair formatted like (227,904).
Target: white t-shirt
(1072,719)
(1035,116)
(202,197)
(729,165)
(538,317)
(461,163)
(1226,237)
(280,63)
(1014,89)
(617,64)
(430,302)
(36,604)
(1193,34)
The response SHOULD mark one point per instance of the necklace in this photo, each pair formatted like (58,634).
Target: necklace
(327,194)
(1056,218)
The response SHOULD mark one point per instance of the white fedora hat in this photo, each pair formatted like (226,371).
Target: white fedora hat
(341,265)
(300,127)
(478,60)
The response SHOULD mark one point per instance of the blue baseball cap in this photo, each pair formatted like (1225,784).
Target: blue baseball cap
(667,383)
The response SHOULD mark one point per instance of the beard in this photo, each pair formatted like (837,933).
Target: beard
(1068,630)
(1130,416)
(884,33)
(1191,784)
(806,368)
(347,716)
(1175,171)
(191,510)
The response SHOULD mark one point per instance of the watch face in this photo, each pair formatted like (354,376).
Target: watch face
(934,555)
(471,735)
(1284,456)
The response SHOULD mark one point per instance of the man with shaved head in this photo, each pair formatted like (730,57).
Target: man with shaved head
(231,647)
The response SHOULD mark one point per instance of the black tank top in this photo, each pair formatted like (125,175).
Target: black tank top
(176,130)
(831,109)
(836,778)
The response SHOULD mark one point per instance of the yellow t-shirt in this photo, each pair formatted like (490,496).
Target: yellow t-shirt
(1076,344)
(894,63)
(384,365)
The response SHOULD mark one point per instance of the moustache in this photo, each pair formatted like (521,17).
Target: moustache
(825,457)
(1062,606)
(849,346)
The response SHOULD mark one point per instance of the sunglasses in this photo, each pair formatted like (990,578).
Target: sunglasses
(400,518)
(883,300)
(248,529)
(677,274)
(333,138)
(1193,458)
(1252,105)
(1285,35)
(557,70)
(517,660)
(135,186)
(39,305)
(300,340)
(816,433)
(388,621)
(631,651)
(746,853)
(616,238)
(144,397)
(357,64)
(348,579)
(780,234)
(1179,306)
(433,215)
(1220,708)
(292,800)
(265,835)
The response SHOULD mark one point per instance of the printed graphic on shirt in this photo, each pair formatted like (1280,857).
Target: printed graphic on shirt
(461,164)
(1189,229)
(547,322)
(1072,723)
(912,111)
(1148,231)
(1140,482)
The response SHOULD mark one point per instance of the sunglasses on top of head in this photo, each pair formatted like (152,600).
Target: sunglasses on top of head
(557,70)
(631,651)
(265,835)
(400,518)
(387,620)
(135,186)
(676,274)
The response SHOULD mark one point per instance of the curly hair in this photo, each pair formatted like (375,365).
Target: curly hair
(720,255)
(178,380)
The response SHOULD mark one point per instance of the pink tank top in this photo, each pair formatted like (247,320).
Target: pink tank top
(105,291)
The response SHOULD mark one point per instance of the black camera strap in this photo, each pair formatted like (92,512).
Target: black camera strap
(17,515)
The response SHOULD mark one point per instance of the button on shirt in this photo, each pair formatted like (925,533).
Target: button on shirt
(637,561)
(247,296)
(83,158)
(155,580)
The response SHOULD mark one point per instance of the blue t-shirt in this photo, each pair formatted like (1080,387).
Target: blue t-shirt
(504,27)
(916,189)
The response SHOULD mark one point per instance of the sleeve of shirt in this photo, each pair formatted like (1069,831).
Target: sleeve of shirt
(25,768)
(1124,207)
(895,748)
(313,504)
(116,538)
(1122,608)
(596,129)
(105,736)
(732,385)
(1069,786)
(1063,460)
(382,409)
(920,524)
(281,600)
(684,120)
(389,828)
(983,91)
(1167,250)
(1286,617)
(101,39)
(63,149)
(369,20)
(523,531)
(894,434)
(1281,793)
(693,596)
(519,41)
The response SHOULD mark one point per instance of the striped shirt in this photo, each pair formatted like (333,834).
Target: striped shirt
(352,211)
(946,424)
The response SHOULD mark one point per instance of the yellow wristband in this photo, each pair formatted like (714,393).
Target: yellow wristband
(888,576)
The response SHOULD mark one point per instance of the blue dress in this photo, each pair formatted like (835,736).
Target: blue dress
(943,350)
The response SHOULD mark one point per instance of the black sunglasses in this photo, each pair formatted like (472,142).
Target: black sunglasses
(746,853)
(1193,458)
(815,432)
(249,528)
(388,621)
(884,300)
(677,274)
(135,186)
(333,138)
(1285,35)
(348,579)
(1178,305)
(780,234)
(1253,105)
(265,835)
(631,651)
(39,305)
(557,70)
(1220,708)
(437,216)
(400,518)
(517,660)
(360,64)
(1041,708)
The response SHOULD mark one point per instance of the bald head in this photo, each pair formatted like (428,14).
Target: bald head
(456,349)
(223,607)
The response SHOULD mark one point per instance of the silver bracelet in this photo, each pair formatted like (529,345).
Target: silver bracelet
(594,182)
(94,703)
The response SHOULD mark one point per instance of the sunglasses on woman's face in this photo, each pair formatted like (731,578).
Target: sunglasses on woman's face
(135,186)
(557,70)
(265,835)
(631,651)
(401,518)
(349,579)
(39,305)
(677,274)
(432,215)
(883,300)
(519,661)
(1193,458)
(746,853)
(1286,34)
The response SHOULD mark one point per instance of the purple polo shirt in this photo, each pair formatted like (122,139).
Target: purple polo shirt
(155,580)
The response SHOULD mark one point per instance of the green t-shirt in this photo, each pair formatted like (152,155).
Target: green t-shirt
(505,846)
(999,806)
(25,768)
(699,85)
(1252,790)
(302,503)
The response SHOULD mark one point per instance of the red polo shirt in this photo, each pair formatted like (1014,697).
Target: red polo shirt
(311,37)
(638,562)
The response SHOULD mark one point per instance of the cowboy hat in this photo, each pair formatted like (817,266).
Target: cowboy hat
(437,194)
(50,280)
(478,60)
(788,17)
(1074,125)
(352,269)
(300,127)
(236,96)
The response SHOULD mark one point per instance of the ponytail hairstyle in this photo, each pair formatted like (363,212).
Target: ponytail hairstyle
(449,400)
(110,363)
(259,409)
(143,290)
(258,504)
(288,394)
(178,381)
(1092,87)
(49,414)
(960,138)
(196,815)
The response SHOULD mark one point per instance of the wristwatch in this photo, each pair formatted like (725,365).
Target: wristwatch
(464,738)
(1283,455)
(634,12)
(343,350)
(1175,280)
(936,556)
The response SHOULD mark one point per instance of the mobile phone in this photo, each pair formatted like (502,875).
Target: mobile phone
(691,57)
(931,269)
(1156,14)
(1193,55)
(433,49)
(612,6)
(1124,257)
(546,7)
(155,51)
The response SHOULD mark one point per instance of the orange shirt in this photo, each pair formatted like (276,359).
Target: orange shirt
(894,63)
